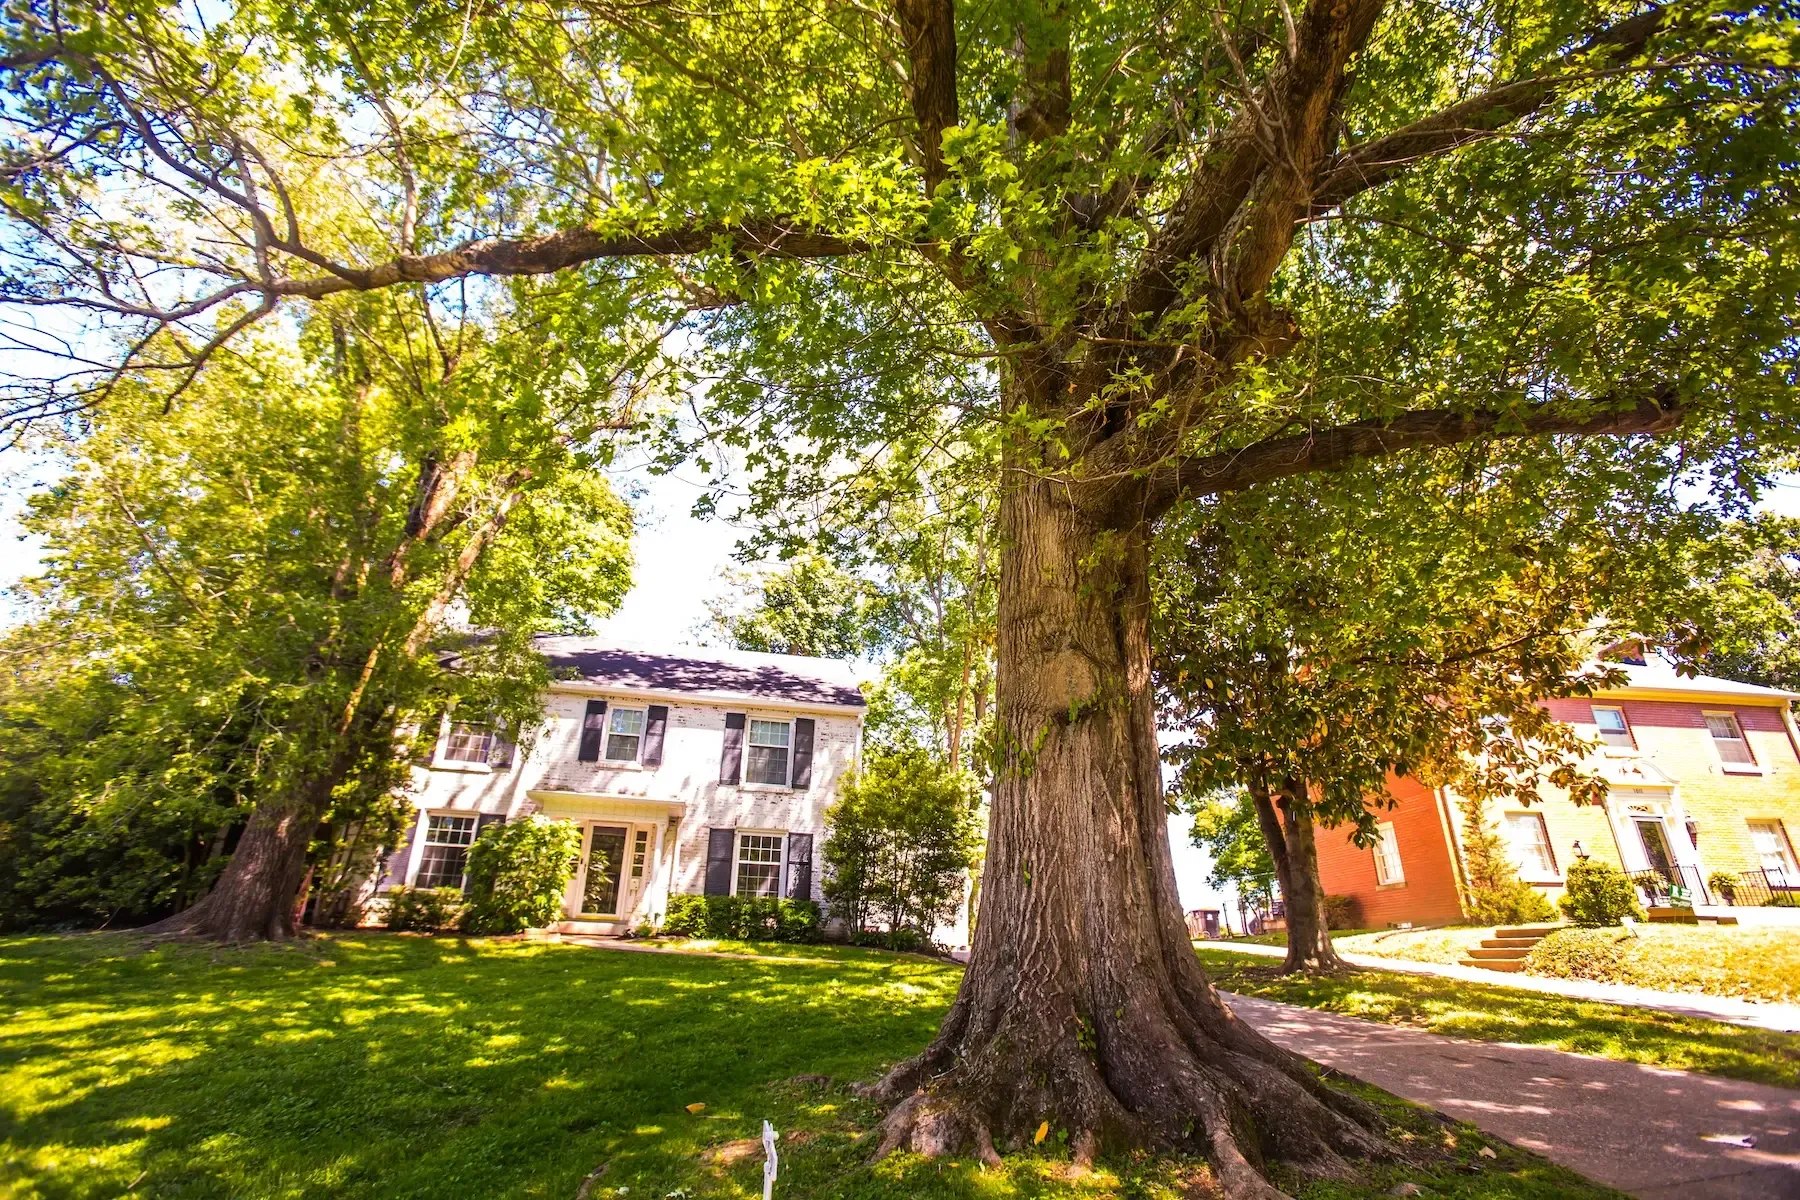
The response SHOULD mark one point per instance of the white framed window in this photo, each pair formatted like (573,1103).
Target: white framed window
(1774,852)
(468,742)
(446,851)
(624,734)
(1728,739)
(770,746)
(1530,841)
(759,864)
(1387,856)
(1613,730)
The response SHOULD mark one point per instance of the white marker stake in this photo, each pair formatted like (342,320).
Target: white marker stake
(771,1163)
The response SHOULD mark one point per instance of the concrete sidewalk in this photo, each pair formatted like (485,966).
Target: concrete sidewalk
(1653,1132)
(1784,1018)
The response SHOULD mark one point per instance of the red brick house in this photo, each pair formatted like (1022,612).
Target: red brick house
(1704,780)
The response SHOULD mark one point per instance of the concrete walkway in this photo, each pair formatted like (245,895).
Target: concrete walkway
(1656,1133)
(1783,1018)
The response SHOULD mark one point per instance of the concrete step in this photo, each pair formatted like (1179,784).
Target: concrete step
(1491,953)
(1525,931)
(1510,943)
(1509,965)
(1673,916)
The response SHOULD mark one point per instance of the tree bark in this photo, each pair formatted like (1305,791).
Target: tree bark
(1309,945)
(254,896)
(1084,1005)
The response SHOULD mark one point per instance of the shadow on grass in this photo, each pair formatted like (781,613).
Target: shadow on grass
(379,1065)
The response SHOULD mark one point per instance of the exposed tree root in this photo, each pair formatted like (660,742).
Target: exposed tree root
(1241,1100)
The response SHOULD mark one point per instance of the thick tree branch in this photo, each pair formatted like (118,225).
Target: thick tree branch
(1308,453)
(929,27)
(1374,162)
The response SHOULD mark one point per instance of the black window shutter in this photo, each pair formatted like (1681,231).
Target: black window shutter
(656,721)
(731,759)
(394,873)
(720,842)
(803,739)
(500,750)
(483,820)
(593,729)
(799,866)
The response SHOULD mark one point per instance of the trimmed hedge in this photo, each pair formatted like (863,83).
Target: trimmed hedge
(424,910)
(744,918)
(1599,894)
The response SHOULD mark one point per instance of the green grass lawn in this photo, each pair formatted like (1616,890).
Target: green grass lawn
(392,1066)
(1748,962)
(1495,1013)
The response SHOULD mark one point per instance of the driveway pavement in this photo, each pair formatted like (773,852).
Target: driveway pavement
(1655,1133)
(1783,1018)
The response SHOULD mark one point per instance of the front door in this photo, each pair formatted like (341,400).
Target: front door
(605,870)
(1656,846)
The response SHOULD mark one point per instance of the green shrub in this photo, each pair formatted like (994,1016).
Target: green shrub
(1343,912)
(1599,894)
(518,873)
(900,842)
(903,939)
(1496,894)
(743,918)
(424,910)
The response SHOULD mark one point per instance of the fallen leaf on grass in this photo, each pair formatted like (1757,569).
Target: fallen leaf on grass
(694,1108)
(1043,1131)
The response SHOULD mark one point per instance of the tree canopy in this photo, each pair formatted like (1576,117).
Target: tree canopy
(1164,253)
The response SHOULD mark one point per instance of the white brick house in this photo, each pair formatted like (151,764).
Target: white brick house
(701,771)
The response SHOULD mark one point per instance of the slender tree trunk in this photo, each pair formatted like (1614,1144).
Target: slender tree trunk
(1084,1005)
(1287,829)
(1309,945)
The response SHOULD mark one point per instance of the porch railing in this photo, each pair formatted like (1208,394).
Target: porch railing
(1763,889)
(1678,885)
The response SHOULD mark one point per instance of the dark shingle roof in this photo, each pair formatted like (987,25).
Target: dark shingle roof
(718,674)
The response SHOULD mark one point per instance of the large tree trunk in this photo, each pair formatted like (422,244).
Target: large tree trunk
(1084,1005)
(254,896)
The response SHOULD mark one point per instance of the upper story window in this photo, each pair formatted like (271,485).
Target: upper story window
(469,742)
(1387,856)
(446,855)
(625,734)
(1613,729)
(476,742)
(1728,739)
(770,742)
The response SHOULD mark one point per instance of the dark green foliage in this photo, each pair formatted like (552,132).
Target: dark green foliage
(1343,912)
(743,918)
(1599,894)
(1496,894)
(424,910)
(518,873)
(899,840)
